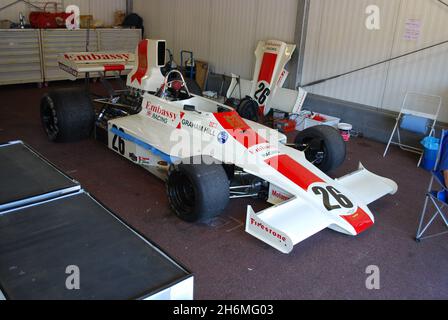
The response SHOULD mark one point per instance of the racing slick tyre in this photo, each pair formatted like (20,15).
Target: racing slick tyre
(193,87)
(67,115)
(197,191)
(248,109)
(323,146)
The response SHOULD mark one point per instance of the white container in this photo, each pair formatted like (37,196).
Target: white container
(304,122)
(345,129)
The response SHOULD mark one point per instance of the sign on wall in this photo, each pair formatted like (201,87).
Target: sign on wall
(413,29)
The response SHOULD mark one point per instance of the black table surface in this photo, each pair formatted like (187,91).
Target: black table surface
(38,243)
(23,175)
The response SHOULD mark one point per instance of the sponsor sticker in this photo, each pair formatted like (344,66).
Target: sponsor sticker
(185,123)
(280,196)
(159,114)
(213,125)
(235,121)
(265,150)
(223,137)
(268,230)
(145,161)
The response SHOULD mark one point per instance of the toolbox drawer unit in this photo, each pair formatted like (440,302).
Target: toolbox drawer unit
(20,56)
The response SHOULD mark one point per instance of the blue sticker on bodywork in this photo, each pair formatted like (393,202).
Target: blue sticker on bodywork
(223,137)
(144,145)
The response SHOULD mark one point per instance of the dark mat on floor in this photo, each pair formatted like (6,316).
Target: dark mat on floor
(24,175)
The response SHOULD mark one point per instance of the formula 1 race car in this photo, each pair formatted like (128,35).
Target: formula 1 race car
(209,152)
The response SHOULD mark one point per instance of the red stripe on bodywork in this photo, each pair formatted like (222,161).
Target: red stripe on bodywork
(292,170)
(267,71)
(239,129)
(360,220)
(113,67)
(142,62)
(267,67)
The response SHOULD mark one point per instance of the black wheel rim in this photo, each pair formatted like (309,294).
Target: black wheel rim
(181,193)
(49,118)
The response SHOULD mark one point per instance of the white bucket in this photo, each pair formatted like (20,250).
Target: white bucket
(345,129)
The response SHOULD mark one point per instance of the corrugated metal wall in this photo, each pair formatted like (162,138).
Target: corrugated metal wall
(338,41)
(222,32)
(101,9)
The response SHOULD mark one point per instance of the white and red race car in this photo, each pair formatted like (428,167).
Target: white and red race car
(208,152)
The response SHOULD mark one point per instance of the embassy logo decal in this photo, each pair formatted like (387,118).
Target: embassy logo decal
(97,57)
(159,114)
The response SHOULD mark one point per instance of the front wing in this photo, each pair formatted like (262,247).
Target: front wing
(289,223)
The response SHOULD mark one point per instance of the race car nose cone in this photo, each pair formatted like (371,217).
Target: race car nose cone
(360,221)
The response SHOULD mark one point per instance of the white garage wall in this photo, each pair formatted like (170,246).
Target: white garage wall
(338,41)
(222,32)
(101,9)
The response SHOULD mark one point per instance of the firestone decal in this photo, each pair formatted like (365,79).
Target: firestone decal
(265,151)
(267,230)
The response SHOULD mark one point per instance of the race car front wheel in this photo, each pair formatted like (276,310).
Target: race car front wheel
(67,115)
(323,146)
(197,191)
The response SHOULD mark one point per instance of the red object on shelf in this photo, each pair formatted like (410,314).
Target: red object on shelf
(285,125)
(48,20)
(319,118)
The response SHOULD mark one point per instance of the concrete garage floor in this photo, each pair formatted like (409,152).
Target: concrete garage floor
(230,264)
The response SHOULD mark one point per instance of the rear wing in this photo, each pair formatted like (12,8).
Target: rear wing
(75,63)
(266,86)
(269,73)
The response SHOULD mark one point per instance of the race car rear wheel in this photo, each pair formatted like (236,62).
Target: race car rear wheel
(67,115)
(197,191)
(323,146)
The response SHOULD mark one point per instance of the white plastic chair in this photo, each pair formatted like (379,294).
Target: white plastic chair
(416,108)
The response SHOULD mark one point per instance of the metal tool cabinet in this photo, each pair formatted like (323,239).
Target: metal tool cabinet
(20,56)
(118,39)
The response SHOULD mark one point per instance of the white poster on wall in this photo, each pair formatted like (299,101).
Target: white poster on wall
(413,28)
